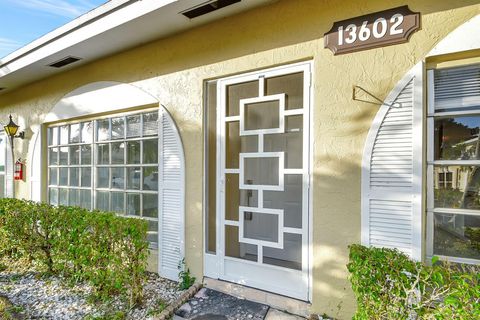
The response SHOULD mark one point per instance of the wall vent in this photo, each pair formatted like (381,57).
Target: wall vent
(207,8)
(63,62)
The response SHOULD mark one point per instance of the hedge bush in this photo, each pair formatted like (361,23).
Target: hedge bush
(108,251)
(388,285)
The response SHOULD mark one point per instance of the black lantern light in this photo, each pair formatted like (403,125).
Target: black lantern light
(11,129)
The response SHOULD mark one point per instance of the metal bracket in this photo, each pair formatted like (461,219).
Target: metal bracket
(377,101)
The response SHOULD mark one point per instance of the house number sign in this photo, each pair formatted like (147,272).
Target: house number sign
(374,30)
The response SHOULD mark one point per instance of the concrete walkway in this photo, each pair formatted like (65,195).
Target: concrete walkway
(210,304)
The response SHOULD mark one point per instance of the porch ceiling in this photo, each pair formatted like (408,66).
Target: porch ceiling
(116,26)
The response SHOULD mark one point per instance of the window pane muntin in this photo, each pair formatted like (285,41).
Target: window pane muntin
(461,156)
(63,156)
(82,195)
(103,153)
(64,134)
(53,136)
(457,235)
(133,126)
(118,202)
(86,177)
(63,196)
(133,204)
(74,177)
(150,205)
(133,152)
(75,133)
(118,128)
(150,151)
(63,176)
(150,123)
(133,178)
(74,153)
(87,132)
(103,177)
(118,178)
(86,155)
(461,192)
(53,176)
(457,137)
(102,199)
(103,129)
(53,196)
(150,178)
(118,152)
(53,156)
(74,197)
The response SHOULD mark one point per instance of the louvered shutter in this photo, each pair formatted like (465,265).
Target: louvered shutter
(457,87)
(392,170)
(36,167)
(9,183)
(171,197)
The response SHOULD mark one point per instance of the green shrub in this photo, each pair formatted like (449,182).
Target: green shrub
(108,251)
(388,285)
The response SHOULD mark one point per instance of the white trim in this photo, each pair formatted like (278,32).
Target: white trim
(254,155)
(306,232)
(415,193)
(281,117)
(459,260)
(177,185)
(260,243)
(430,91)
(418,159)
(454,162)
(465,37)
(3,143)
(467,212)
(99,97)
(36,165)
(454,113)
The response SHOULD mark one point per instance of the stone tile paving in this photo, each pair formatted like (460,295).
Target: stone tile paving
(209,304)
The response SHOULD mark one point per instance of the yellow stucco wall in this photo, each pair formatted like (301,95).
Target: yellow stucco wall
(173,70)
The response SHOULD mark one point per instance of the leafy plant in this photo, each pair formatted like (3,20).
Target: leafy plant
(108,251)
(185,277)
(388,285)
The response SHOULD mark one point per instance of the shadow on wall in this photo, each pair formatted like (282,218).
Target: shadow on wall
(335,226)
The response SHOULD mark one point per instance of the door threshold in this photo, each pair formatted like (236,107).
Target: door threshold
(273,300)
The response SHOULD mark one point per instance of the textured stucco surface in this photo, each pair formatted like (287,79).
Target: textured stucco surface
(173,70)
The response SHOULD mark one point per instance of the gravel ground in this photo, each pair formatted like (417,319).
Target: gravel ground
(51,298)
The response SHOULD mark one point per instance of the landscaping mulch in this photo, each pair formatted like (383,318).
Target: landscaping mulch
(31,295)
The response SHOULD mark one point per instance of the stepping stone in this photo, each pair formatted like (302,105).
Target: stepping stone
(274,314)
(209,304)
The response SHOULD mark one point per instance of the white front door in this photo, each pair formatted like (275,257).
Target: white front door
(263,179)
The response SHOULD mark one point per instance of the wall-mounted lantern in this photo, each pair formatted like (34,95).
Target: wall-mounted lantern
(11,130)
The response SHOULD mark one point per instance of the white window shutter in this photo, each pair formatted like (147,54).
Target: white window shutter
(35,166)
(171,197)
(392,170)
(9,162)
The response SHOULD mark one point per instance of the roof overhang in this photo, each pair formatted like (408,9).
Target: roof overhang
(116,26)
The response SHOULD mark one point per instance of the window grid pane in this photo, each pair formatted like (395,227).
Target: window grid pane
(108,164)
(454,166)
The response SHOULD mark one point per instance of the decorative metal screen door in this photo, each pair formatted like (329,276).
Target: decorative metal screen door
(263,179)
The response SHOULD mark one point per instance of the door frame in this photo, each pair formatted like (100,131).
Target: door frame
(213,262)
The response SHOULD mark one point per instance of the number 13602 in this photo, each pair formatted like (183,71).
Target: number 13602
(378,30)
